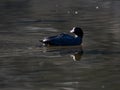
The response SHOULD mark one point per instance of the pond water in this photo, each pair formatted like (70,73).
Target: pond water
(25,65)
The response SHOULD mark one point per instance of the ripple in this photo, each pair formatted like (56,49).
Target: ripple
(29,21)
(38,29)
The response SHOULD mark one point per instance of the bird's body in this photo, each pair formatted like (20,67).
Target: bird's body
(63,39)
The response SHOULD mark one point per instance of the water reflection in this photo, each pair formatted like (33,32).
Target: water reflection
(75,52)
(77,56)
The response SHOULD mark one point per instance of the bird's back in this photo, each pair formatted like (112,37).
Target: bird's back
(62,40)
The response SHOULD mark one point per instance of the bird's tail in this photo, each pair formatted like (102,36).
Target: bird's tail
(44,43)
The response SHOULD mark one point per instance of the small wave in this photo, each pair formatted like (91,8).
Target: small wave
(101,52)
(36,29)
(27,21)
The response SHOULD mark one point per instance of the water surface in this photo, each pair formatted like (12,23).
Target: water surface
(25,65)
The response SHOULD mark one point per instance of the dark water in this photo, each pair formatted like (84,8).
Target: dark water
(25,66)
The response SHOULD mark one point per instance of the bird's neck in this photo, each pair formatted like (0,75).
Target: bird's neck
(76,36)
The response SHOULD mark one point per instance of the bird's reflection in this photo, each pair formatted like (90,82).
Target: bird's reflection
(77,56)
(75,52)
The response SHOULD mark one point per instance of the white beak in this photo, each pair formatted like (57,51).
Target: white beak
(72,31)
